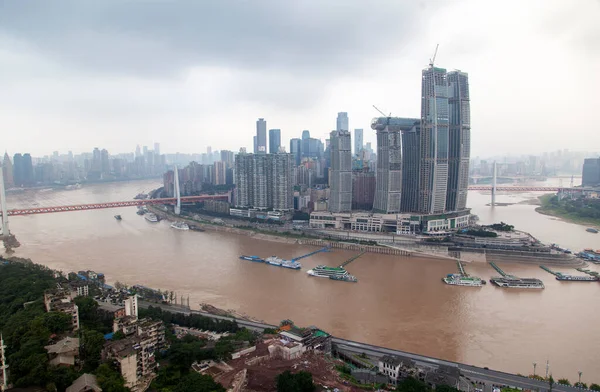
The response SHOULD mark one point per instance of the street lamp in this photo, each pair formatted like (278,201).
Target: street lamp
(534,365)
(580,373)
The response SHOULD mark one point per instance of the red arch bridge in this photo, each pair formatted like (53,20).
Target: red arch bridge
(114,204)
(227,197)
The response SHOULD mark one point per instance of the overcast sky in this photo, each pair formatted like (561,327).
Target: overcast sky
(191,74)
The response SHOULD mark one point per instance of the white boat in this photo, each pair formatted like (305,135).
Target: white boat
(463,280)
(333,273)
(180,226)
(150,217)
(276,261)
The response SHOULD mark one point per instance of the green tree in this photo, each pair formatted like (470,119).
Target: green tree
(119,335)
(580,385)
(564,381)
(299,382)
(109,379)
(195,382)
(412,385)
(56,322)
(445,388)
(551,382)
(91,347)
(595,387)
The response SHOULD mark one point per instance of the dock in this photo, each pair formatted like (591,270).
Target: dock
(351,259)
(549,270)
(325,249)
(502,273)
(461,268)
(589,272)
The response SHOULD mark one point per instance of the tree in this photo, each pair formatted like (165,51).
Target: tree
(299,382)
(551,382)
(564,381)
(412,385)
(580,385)
(195,382)
(57,322)
(109,379)
(120,286)
(92,344)
(595,387)
(445,388)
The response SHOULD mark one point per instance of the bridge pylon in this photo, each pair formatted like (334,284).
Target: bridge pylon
(494,178)
(177,192)
(9,240)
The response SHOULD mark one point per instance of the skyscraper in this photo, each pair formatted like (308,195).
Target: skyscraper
(281,181)
(7,170)
(219,173)
(138,151)
(104,161)
(340,180)
(590,173)
(434,141)
(255,144)
(358,141)
(459,144)
(296,150)
(342,122)
(157,148)
(261,136)
(411,152)
(18,169)
(28,178)
(274,140)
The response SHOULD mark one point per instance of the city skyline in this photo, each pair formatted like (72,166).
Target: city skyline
(170,80)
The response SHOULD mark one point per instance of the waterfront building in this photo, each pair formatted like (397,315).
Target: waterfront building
(358,141)
(363,189)
(274,140)
(342,122)
(459,141)
(433,181)
(340,175)
(591,172)
(261,136)
(395,367)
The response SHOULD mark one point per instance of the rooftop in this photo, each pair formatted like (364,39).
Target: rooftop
(66,345)
(87,382)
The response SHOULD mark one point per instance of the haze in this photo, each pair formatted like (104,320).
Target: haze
(187,74)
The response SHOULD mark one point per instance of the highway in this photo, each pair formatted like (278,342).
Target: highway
(474,373)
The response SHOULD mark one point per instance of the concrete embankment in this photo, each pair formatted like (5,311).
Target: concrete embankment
(358,247)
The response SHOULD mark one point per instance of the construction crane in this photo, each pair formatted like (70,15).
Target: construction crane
(432,60)
(382,113)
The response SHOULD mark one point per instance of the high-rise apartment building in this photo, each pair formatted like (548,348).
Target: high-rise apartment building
(274,140)
(264,181)
(219,173)
(340,175)
(342,122)
(296,150)
(255,144)
(104,163)
(227,157)
(433,181)
(358,141)
(411,152)
(261,136)
(459,141)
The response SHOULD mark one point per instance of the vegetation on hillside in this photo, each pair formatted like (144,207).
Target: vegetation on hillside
(580,210)
(481,233)
(295,382)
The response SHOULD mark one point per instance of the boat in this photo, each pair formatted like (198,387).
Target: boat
(118,217)
(514,282)
(463,280)
(333,273)
(72,187)
(252,258)
(180,226)
(150,217)
(576,278)
(196,228)
(278,262)
(591,230)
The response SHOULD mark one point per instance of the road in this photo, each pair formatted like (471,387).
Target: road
(474,373)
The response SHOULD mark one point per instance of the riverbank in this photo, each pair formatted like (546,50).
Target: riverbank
(548,208)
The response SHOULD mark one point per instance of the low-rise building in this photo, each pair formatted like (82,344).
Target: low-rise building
(61,300)
(63,352)
(86,383)
(395,367)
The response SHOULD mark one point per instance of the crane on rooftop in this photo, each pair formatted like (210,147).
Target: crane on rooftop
(384,115)
(432,60)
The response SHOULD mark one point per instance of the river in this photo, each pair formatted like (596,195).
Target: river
(399,302)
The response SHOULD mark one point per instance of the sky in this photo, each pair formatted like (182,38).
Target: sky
(191,74)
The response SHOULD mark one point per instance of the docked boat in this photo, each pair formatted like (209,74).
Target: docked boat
(333,273)
(463,280)
(196,228)
(118,217)
(519,283)
(278,262)
(591,230)
(576,278)
(180,226)
(256,259)
(150,217)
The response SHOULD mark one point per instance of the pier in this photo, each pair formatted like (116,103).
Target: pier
(362,248)
(461,268)
(589,272)
(351,259)
(502,273)
(325,249)
(549,270)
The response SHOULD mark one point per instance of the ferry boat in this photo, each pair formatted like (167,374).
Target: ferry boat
(591,230)
(118,217)
(519,283)
(576,278)
(334,273)
(276,261)
(150,217)
(180,226)
(463,280)
(252,258)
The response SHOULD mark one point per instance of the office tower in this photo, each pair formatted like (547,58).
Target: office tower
(591,172)
(434,140)
(358,141)
(274,140)
(296,150)
(157,148)
(342,122)
(209,151)
(28,177)
(145,150)
(363,189)
(219,173)
(411,152)
(105,165)
(280,181)
(340,175)
(255,145)
(305,134)
(459,141)
(7,171)
(138,152)
(18,169)
(261,136)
